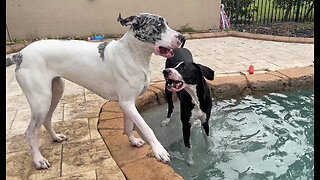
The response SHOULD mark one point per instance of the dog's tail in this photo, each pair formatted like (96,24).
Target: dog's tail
(10,61)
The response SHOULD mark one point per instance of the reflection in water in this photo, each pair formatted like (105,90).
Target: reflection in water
(265,137)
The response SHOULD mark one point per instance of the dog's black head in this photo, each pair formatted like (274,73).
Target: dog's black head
(153,29)
(186,74)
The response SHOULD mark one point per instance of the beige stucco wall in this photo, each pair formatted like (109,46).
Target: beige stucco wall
(27,19)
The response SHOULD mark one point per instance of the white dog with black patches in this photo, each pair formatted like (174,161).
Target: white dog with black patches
(118,70)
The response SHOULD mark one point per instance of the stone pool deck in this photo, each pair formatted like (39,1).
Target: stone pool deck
(96,148)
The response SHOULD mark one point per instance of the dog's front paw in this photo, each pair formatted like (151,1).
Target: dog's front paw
(165,122)
(59,138)
(137,142)
(41,163)
(161,154)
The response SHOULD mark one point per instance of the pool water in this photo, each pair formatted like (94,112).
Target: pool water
(255,137)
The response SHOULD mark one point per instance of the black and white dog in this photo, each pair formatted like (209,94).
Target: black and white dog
(115,70)
(187,79)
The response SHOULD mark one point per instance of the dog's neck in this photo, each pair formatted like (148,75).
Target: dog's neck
(140,51)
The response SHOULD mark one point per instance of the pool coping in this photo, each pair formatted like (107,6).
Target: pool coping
(139,163)
(19,46)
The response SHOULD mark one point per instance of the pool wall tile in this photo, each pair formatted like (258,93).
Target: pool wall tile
(110,174)
(159,94)
(120,147)
(116,123)
(299,76)
(111,106)
(266,82)
(110,115)
(228,86)
(161,87)
(147,100)
(143,171)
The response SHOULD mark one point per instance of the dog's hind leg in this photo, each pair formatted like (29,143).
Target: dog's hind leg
(36,86)
(57,91)
(170,107)
(128,127)
(205,133)
(186,128)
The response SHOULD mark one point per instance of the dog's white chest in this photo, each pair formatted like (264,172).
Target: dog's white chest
(196,112)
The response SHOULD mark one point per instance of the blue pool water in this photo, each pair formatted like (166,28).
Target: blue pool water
(255,137)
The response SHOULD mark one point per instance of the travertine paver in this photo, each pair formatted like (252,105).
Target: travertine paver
(78,110)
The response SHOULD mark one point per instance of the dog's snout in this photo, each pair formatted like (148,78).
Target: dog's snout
(166,72)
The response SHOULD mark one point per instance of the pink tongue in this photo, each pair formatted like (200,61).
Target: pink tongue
(168,54)
(177,85)
(158,50)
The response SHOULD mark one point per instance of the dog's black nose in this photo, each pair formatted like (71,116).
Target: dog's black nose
(166,72)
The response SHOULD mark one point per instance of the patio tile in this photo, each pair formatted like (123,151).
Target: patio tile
(85,156)
(72,96)
(13,91)
(94,133)
(22,119)
(111,173)
(89,175)
(81,112)
(15,102)
(16,142)
(76,130)
(72,86)
(9,118)
(84,104)
(20,165)
(57,114)
(90,96)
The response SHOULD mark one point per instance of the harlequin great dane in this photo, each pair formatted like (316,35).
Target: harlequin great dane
(115,70)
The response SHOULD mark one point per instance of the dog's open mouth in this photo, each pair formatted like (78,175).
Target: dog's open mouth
(165,52)
(173,85)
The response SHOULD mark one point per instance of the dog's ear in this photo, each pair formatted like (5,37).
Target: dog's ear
(132,20)
(207,72)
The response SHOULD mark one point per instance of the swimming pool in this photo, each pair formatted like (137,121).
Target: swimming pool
(255,137)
